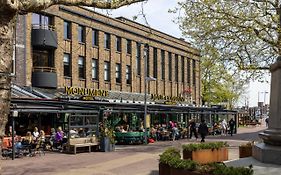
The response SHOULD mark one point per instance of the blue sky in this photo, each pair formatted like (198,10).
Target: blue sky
(157,16)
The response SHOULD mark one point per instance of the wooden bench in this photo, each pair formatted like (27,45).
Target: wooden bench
(81,142)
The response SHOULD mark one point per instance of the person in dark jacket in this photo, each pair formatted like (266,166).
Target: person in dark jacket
(231,126)
(203,130)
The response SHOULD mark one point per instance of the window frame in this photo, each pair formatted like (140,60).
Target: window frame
(67,30)
(95,37)
(68,74)
(163,64)
(81,33)
(129,46)
(118,73)
(128,74)
(106,40)
(106,71)
(81,70)
(95,69)
(118,43)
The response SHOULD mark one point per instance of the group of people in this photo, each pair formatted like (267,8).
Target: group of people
(176,131)
(37,139)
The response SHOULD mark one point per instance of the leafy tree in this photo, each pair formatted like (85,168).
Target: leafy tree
(246,33)
(240,37)
(9,9)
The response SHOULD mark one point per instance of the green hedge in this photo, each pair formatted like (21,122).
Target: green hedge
(172,157)
(211,145)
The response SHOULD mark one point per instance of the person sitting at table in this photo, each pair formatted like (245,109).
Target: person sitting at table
(59,137)
(41,139)
(35,133)
(28,142)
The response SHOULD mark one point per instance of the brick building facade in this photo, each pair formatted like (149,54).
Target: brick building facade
(76,47)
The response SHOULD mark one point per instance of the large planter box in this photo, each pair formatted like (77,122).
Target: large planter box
(164,169)
(207,155)
(245,151)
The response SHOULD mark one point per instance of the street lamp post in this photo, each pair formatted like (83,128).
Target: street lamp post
(14,114)
(146,80)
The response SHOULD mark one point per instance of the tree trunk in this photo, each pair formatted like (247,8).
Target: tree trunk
(7,23)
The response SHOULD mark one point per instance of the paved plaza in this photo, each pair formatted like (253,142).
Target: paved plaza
(127,159)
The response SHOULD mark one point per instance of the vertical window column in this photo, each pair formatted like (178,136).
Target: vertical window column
(67,30)
(128,74)
(118,44)
(107,40)
(155,65)
(138,59)
(95,69)
(176,68)
(66,65)
(106,71)
(95,37)
(81,67)
(118,73)
(81,34)
(129,47)
(163,64)
(182,69)
(170,65)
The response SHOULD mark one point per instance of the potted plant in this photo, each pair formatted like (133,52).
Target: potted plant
(245,150)
(206,152)
(107,136)
(174,165)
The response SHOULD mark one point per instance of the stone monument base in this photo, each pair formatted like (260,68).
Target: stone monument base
(267,153)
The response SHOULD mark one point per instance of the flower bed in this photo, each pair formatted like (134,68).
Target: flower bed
(206,152)
(170,163)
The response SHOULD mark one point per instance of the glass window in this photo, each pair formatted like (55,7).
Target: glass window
(188,71)
(118,43)
(43,58)
(67,30)
(163,64)
(155,65)
(128,74)
(118,73)
(176,68)
(106,71)
(182,69)
(138,59)
(129,46)
(81,34)
(107,40)
(81,67)
(170,65)
(194,71)
(66,65)
(95,68)
(41,21)
(95,37)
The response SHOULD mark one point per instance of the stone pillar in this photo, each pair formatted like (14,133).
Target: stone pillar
(270,150)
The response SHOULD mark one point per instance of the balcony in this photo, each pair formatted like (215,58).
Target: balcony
(45,77)
(44,36)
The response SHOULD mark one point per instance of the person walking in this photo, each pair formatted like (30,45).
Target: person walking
(203,130)
(192,128)
(224,127)
(231,126)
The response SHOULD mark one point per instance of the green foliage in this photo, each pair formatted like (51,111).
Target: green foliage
(106,130)
(244,33)
(171,157)
(200,146)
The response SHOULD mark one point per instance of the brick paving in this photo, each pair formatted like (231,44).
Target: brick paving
(127,159)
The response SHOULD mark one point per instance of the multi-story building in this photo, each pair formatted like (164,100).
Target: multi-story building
(76,47)
(71,60)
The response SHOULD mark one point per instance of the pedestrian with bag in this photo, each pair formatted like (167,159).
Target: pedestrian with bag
(203,130)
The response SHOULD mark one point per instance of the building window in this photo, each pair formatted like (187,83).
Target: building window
(163,64)
(147,63)
(188,71)
(129,46)
(106,71)
(118,73)
(155,65)
(95,69)
(128,74)
(182,69)
(81,34)
(81,67)
(66,65)
(138,58)
(176,68)
(107,40)
(194,71)
(41,21)
(170,65)
(118,44)
(67,30)
(95,37)
(43,58)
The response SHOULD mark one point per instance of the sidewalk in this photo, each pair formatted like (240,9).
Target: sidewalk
(127,159)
